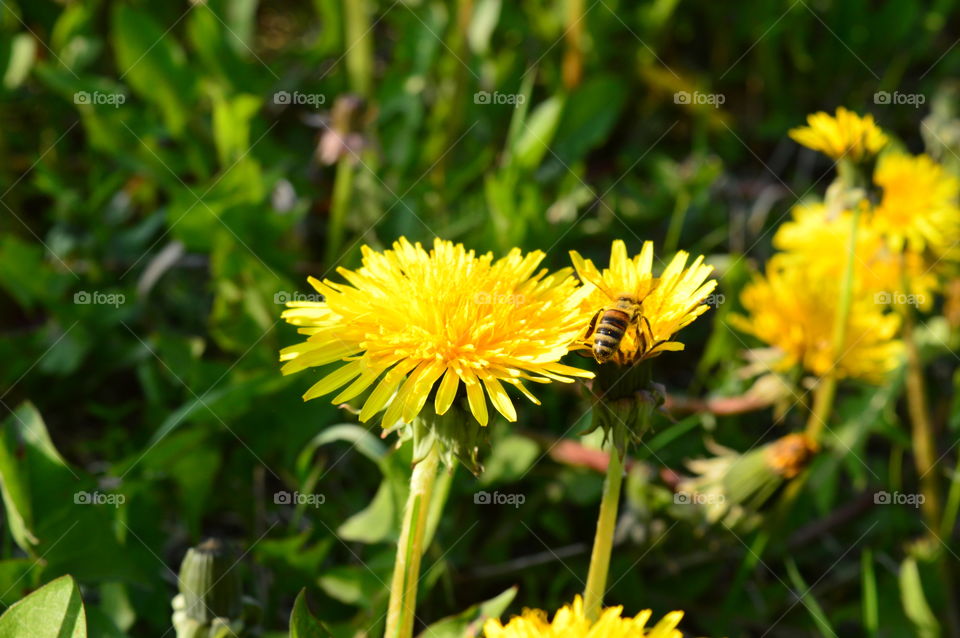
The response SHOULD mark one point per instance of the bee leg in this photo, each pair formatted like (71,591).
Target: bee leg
(590,329)
(644,335)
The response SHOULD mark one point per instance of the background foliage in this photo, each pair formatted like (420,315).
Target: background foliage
(146,248)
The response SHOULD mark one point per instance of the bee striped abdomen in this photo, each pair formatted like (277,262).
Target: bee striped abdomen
(610,328)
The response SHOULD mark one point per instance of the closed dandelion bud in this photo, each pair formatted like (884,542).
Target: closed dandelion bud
(210,604)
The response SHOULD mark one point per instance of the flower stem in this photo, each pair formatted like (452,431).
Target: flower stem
(603,541)
(410,547)
(827,388)
(924,448)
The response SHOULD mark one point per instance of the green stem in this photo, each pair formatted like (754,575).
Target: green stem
(359,46)
(827,388)
(603,541)
(410,547)
(342,190)
(924,448)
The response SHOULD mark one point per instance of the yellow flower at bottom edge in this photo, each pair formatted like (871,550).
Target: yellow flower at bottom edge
(668,302)
(819,240)
(844,135)
(792,308)
(421,321)
(918,209)
(570,622)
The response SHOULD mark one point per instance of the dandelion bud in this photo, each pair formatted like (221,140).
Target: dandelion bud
(210,603)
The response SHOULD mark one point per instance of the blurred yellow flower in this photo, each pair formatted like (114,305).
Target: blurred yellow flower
(793,308)
(918,208)
(844,135)
(416,318)
(571,622)
(668,303)
(819,240)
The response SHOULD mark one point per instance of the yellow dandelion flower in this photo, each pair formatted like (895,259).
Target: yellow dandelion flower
(793,309)
(819,240)
(422,321)
(661,305)
(844,135)
(918,207)
(571,622)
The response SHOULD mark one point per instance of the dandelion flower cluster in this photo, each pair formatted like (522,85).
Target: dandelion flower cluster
(818,240)
(669,302)
(571,622)
(794,309)
(844,135)
(412,323)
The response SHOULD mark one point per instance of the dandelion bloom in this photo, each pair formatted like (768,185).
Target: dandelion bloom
(845,134)
(422,321)
(918,208)
(819,239)
(793,309)
(668,302)
(571,622)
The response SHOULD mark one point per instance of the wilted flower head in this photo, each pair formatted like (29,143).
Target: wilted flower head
(668,302)
(571,622)
(731,486)
(421,322)
(819,240)
(918,208)
(844,135)
(793,308)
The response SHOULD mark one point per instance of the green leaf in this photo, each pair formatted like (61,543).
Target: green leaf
(302,622)
(871,620)
(486,14)
(510,458)
(816,611)
(376,521)
(53,611)
(231,126)
(154,64)
(469,623)
(23,51)
(915,603)
(538,132)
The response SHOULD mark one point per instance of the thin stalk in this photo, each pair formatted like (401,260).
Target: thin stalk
(342,191)
(924,448)
(827,388)
(603,541)
(359,46)
(925,453)
(410,547)
(949,520)
(573,55)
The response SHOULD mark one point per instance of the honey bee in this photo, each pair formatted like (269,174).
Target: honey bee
(610,324)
